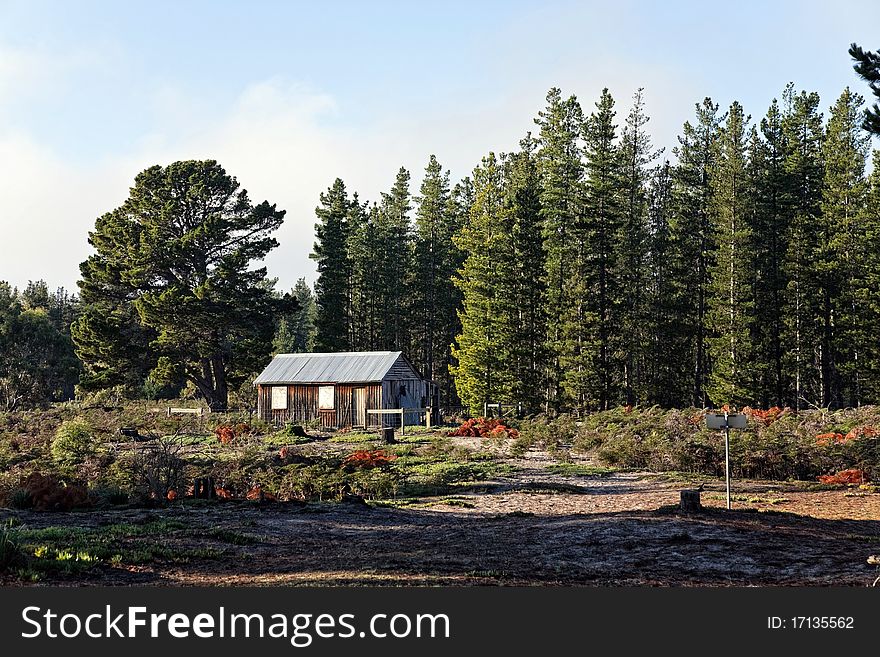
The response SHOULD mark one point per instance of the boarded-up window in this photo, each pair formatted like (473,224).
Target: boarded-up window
(325,398)
(279,398)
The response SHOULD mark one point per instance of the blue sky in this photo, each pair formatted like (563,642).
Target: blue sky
(289,95)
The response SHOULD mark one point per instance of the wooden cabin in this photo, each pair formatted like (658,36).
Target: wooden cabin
(337,389)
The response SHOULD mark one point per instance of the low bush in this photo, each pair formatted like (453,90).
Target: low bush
(554,435)
(11,554)
(74,442)
(777,444)
(157,469)
(481,427)
(47,493)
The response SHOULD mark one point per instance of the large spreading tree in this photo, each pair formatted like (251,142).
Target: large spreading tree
(172,291)
(867,65)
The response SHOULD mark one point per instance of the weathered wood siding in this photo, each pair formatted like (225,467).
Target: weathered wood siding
(302,404)
(402,370)
(403,393)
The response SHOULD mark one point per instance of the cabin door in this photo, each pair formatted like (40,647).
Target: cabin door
(359,406)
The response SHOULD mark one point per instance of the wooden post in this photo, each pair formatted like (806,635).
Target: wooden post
(402,422)
(690,501)
(428,417)
(388,435)
(203,488)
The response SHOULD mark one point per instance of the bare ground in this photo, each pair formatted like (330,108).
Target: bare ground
(529,528)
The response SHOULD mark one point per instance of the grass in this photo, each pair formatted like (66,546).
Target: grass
(10,548)
(68,550)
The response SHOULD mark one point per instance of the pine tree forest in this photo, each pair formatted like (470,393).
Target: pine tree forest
(588,269)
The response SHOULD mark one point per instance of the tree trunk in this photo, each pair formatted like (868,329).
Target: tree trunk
(211,383)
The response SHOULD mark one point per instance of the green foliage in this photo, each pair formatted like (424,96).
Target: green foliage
(661,440)
(769,223)
(296,332)
(551,434)
(867,65)
(435,298)
(395,265)
(171,289)
(635,250)
(19,499)
(730,317)
(591,332)
(63,551)
(693,252)
(74,442)
(561,169)
(802,129)
(482,349)
(37,362)
(844,258)
(11,554)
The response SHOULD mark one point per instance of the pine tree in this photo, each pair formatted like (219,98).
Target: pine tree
(296,332)
(730,318)
(461,199)
(332,289)
(364,252)
(524,304)
(481,351)
(179,253)
(868,67)
(593,358)
(841,258)
(693,240)
(802,127)
(433,294)
(770,234)
(667,350)
(637,155)
(561,173)
(869,290)
(395,274)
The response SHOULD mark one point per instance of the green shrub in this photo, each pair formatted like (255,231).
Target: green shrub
(553,435)
(74,442)
(11,553)
(20,499)
(111,495)
(323,479)
(785,448)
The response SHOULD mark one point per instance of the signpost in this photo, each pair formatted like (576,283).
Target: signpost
(726,421)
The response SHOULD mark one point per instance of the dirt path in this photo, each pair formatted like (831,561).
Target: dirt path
(531,527)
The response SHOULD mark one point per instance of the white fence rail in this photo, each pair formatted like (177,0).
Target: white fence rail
(376,417)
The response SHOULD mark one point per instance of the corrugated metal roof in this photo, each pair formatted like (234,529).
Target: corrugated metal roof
(341,367)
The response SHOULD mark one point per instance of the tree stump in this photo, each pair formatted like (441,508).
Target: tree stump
(690,501)
(388,435)
(203,488)
(298,431)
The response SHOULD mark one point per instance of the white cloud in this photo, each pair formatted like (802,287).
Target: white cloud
(48,208)
(271,139)
(284,142)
